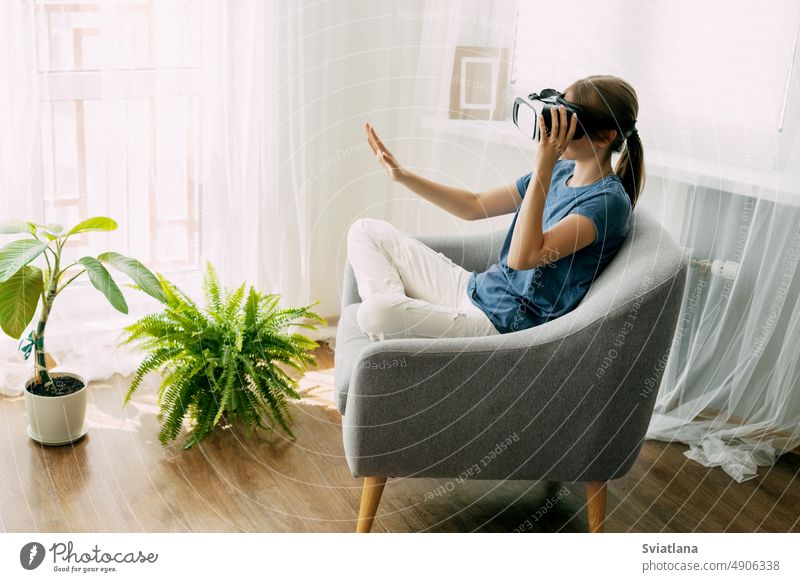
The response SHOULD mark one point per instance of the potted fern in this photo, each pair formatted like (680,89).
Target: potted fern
(222,363)
(56,402)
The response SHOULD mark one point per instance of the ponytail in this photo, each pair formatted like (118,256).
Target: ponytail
(630,167)
(613,98)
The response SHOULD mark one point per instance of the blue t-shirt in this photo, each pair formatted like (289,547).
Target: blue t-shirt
(515,300)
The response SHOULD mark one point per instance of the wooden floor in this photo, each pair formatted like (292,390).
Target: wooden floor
(120,479)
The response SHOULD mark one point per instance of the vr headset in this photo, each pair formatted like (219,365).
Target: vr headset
(526,112)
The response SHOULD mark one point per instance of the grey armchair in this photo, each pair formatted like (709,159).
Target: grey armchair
(569,400)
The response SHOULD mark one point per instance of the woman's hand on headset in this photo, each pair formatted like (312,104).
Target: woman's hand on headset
(384,156)
(553,145)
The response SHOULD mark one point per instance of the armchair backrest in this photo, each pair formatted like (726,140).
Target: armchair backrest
(649,257)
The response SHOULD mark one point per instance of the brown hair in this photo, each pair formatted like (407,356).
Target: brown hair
(610,97)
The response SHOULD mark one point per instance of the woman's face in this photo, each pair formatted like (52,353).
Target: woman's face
(580,149)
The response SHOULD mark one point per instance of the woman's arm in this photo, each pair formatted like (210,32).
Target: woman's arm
(530,246)
(462,203)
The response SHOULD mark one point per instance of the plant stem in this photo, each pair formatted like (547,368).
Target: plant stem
(70,280)
(41,373)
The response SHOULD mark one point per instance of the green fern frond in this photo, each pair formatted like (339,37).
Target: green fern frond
(233,302)
(151,363)
(275,407)
(212,289)
(208,406)
(180,399)
(251,308)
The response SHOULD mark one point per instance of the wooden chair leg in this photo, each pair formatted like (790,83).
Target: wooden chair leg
(596,493)
(370,498)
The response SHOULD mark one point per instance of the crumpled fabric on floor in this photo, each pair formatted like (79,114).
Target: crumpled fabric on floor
(739,460)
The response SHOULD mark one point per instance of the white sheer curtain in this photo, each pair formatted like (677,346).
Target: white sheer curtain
(105,102)
(288,167)
(19,145)
(19,110)
(731,389)
(240,131)
(207,129)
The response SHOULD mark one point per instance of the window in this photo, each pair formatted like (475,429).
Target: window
(119,122)
(711,76)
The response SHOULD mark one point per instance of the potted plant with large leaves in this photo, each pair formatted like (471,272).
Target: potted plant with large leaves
(56,402)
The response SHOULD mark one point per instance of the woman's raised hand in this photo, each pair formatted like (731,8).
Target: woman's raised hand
(385,157)
(553,145)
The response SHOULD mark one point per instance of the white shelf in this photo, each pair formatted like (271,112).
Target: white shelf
(661,163)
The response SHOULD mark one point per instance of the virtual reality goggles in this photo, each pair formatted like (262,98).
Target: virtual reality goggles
(526,112)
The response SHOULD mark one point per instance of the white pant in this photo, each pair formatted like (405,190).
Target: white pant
(408,289)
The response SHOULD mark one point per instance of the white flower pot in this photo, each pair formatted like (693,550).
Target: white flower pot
(56,420)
